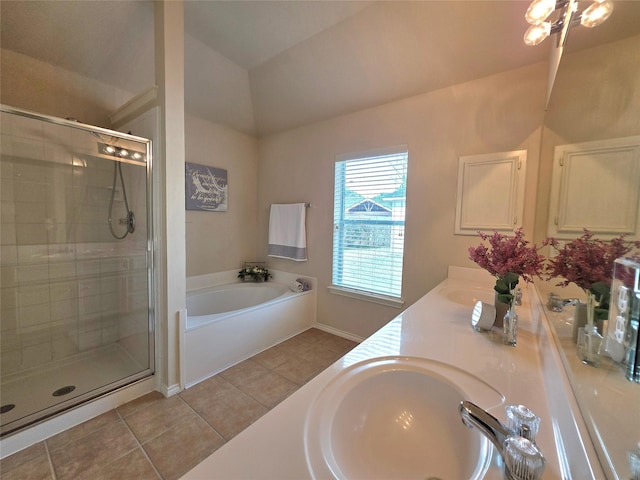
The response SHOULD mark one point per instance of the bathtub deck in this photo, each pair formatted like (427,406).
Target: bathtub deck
(202,418)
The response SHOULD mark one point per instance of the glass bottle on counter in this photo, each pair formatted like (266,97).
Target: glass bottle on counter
(510,324)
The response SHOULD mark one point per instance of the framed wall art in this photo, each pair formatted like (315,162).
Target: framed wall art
(205,188)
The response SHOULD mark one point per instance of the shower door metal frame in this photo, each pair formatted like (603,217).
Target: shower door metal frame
(62,407)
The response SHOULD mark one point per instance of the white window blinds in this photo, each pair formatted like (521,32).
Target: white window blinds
(369,215)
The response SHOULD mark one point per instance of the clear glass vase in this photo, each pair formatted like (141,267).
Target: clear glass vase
(594,337)
(589,339)
(510,326)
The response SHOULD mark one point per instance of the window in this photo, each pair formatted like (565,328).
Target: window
(368,237)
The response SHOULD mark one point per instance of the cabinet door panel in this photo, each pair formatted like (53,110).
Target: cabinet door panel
(490,192)
(596,185)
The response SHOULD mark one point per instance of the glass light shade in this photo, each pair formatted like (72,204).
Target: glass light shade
(539,10)
(536,34)
(597,13)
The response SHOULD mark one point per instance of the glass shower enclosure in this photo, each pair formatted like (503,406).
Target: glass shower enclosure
(76,265)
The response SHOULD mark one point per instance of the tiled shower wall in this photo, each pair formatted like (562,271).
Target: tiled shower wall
(67,285)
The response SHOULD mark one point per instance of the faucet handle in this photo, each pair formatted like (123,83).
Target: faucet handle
(522,459)
(522,421)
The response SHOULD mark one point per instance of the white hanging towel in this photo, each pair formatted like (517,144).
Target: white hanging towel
(287,234)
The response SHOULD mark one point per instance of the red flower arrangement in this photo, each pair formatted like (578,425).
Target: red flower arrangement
(508,259)
(508,255)
(586,261)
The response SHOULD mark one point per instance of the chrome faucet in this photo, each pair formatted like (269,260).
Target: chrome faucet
(474,416)
(556,303)
(522,458)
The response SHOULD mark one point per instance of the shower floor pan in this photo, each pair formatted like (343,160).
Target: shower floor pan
(38,391)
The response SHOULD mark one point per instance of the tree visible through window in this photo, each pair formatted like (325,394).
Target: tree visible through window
(369,215)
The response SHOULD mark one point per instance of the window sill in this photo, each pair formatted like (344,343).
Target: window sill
(367,296)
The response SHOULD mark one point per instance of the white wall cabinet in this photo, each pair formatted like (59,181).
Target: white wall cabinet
(596,185)
(490,192)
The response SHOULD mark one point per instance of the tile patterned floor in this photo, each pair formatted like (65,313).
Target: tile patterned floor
(154,437)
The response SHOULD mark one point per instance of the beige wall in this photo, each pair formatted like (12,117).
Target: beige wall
(499,113)
(596,96)
(33,85)
(219,241)
(218,89)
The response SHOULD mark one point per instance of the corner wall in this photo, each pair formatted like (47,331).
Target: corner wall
(219,241)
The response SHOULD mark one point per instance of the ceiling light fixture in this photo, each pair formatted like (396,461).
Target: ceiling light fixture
(569,16)
(596,14)
(539,11)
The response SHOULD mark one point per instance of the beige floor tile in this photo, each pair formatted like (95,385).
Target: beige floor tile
(312,335)
(82,430)
(203,391)
(157,417)
(244,373)
(299,370)
(231,419)
(139,403)
(213,390)
(225,407)
(31,463)
(23,456)
(294,346)
(271,358)
(338,344)
(300,338)
(38,469)
(320,355)
(269,389)
(178,450)
(87,455)
(135,466)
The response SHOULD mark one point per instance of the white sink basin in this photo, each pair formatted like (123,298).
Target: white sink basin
(467,296)
(397,418)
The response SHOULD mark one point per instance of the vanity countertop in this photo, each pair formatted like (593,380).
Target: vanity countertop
(437,327)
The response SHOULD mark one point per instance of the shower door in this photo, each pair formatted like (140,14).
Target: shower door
(76,277)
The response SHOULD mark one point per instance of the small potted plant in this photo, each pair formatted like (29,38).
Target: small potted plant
(257,273)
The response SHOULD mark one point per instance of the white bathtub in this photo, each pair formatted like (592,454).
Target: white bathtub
(226,324)
(218,302)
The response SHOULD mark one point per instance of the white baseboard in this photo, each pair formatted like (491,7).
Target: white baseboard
(171,390)
(339,333)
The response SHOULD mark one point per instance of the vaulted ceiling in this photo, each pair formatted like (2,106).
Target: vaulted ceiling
(265,66)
